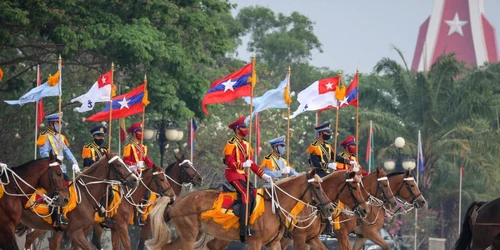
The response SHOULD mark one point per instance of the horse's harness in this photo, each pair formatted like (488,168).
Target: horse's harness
(52,179)
(357,203)
(314,191)
(376,201)
(185,177)
(405,184)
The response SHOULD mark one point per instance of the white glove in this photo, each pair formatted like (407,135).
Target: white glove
(76,169)
(3,165)
(140,164)
(132,167)
(247,163)
(286,170)
(332,165)
(267,178)
(355,166)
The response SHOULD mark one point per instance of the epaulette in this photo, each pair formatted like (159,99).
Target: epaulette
(41,139)
(65,140)
(89,145)
(269,156)
(126,150)
(86,152)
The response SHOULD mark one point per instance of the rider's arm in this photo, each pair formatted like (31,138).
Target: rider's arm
(44,146)
(67,153)
(148,161)
(268,168)
(128,156)
(87,156)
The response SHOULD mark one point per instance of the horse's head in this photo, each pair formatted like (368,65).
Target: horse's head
(350,194)
(378,185)
(52,180)
(188,173)
(407,188)
(317,196)
(155,180)
(119,171)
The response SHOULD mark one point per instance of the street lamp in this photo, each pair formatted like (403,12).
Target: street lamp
(399,162)
(163,130)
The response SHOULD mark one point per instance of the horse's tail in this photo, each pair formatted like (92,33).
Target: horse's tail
(161,231)
(465,239)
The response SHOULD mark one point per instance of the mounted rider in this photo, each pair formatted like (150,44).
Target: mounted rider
(51,140)
(237,157)
(274,164)
(347,160)
(135,155)
(91,153)
(321,155)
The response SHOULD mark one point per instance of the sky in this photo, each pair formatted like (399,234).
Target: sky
(358,33)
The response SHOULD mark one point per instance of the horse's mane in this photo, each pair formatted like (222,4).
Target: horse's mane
(170,166)
(27,164)
(290,178)
(394,174)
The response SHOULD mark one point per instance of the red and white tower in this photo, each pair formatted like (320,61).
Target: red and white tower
(456,26)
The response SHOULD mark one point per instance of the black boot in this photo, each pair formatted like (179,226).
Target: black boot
(244,230)
(108,222)
(329,230)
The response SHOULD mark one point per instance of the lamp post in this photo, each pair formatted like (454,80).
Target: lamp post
(163,130)
(399,162)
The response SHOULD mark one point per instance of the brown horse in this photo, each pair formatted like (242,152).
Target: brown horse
(336,190)
(481,226)
(18,184)
(186,212)
(377,190)
(154,180)
(402,185)
(90,186)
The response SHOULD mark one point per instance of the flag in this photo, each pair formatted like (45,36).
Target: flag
(420,162)
(39,105)
(351,94)
(192,127)
(369,150)
(257,133)
(49,88)
(274,98)
(319,95)
(101,91)
(229,88)
(123,105)
(123,130)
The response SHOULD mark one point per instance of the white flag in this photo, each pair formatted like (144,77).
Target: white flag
(100,92)
(320,95)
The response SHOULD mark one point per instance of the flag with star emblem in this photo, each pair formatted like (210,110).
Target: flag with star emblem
(319,95)
(123,105)
(351,94)
(99,92)
(235,85)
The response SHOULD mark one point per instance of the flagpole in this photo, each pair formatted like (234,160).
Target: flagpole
(36,109)
(371,149)
(110,127)
(254,81)
(60,106)
(460,192)
(337,119)
(357,117)
(191,138)
(144,108)
(288,120)
(119,127)
(418,175)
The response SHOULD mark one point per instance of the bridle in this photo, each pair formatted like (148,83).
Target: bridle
(185,177)
(316,198)
(405,184)
(357,203)
(52,180)
(373,198)
(123,178)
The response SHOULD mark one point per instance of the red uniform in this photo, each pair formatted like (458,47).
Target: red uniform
(135,152)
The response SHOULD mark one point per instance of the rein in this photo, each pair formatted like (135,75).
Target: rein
(407,206)
(183,171)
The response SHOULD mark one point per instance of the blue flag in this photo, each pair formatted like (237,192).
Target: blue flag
(420,159)
(274,98)
(50,88)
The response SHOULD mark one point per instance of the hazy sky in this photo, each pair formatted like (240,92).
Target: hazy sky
(358,33)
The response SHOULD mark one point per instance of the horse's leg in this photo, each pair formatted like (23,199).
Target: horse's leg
(122,230)
(317,244)
(359,243)
(115,239)
(55,241)
(145,231)
(343,239)
(275,245)
(299,241)
(31,237)
(254,245)
(370,232)
(285,242)
(78,239)
(96,236)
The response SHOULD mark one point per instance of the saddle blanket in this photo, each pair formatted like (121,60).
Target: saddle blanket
(147,209)
(222,209)
(113,205)
(38,206)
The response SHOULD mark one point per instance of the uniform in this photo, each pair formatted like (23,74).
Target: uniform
(273,164)
(134,151)
(321,153)
(92,152)
(344,159)
(51,140)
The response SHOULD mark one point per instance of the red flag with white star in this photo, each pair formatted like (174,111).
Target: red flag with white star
(456,26)
(101,91)
(319,95)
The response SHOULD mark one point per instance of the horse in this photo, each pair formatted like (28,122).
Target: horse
(481,226)
(335,188)
(377,190)
(178,173)
(186,212)
(90,184)
(17,185)
(154,180)
(402,185)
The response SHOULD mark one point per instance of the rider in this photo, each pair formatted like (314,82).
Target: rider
(320,152)
(135,155)
(237,157)
(347,160)
(50,139)
(91,153)
(274,164)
